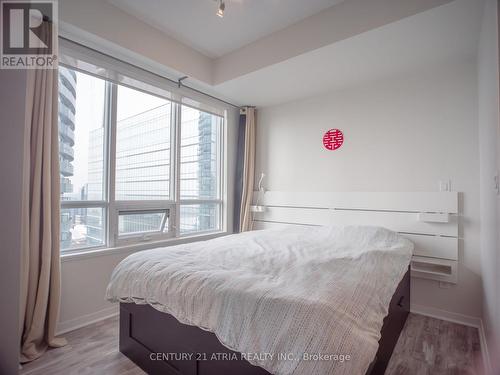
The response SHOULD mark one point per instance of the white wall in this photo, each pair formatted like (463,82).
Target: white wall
(401,134)
(12,110)
(488,155)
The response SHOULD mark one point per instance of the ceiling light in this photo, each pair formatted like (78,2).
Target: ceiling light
(220,8)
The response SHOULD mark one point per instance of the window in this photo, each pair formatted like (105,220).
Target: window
(134,165)
(143,222)
(81,159)
(142,146)
(199,171)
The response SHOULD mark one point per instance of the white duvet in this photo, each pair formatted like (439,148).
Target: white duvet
(293,301)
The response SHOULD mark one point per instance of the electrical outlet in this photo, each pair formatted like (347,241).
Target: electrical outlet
(445,285)
(445,185)
(496,181)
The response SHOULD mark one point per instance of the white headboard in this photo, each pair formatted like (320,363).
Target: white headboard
(428,219)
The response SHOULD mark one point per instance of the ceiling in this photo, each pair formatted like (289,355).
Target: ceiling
(194,22)
(267,63)
(437,36)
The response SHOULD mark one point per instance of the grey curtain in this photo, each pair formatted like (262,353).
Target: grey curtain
(239,172)
(40,261)
(248,171)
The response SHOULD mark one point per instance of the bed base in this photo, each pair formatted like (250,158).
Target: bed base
(160,344)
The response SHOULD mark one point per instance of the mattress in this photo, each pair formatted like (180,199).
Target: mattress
(294,301)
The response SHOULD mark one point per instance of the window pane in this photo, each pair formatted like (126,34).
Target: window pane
(199,154)
(142,146)
(142,222)
(81,135)
(81,227)
(200,217)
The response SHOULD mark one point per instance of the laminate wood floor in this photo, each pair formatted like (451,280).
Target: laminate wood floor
(91,350)
(430,346)
(426,346)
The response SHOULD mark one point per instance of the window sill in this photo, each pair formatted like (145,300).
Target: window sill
(92,253)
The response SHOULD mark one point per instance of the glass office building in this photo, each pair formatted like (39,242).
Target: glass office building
(144,167)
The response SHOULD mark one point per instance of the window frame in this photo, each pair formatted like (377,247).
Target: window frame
(220,177)
(150,235)
(112,207)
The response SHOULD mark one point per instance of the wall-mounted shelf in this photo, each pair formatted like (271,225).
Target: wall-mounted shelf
(434,269)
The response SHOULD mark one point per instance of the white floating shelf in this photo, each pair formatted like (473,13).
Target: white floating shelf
(434,269)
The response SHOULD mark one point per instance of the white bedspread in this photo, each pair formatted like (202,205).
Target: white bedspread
(277,296)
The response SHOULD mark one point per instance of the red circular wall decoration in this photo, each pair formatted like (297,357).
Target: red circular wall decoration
(333,139)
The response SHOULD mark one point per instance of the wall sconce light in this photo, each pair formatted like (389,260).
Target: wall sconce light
(220,8)
(260,196)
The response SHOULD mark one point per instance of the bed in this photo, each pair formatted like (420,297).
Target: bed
(315,300)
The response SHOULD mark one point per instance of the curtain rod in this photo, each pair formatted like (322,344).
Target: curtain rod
(178,82)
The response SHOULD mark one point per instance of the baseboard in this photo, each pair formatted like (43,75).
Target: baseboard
(485,350)
(85,320)
(466,320)
(449,316)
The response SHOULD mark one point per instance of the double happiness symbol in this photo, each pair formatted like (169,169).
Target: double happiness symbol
(333,139)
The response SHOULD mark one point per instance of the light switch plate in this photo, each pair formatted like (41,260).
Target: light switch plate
(445,285)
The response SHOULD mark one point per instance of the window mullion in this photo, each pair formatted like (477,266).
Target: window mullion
(221,193)
(148,205)
(82,204)
(177,164)
(112,216)
(173,168)
(200,201)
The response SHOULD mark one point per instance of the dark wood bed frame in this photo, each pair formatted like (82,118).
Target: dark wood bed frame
(145,332)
